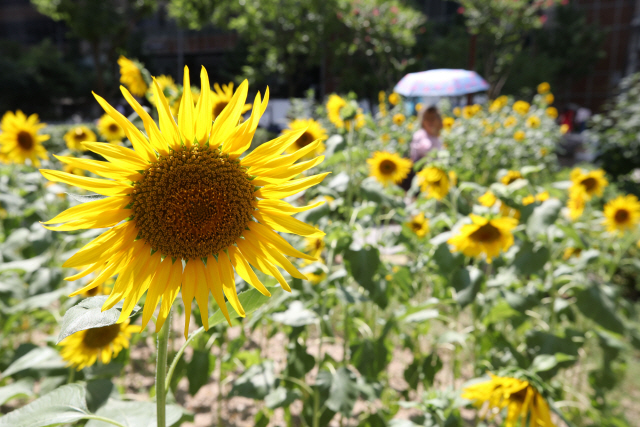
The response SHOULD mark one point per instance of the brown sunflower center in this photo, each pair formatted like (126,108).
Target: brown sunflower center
(589,184)
(387,167)
(193,203)
(416,226)
(101,337)
(79,135)
(93,292)
(304,140)
(485,234)
(519,396)
(621,216)
(511,179)
(25,140)
(113,127)
(217,108)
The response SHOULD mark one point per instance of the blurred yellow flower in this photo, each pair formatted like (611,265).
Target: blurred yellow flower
(506,210)
(520,398)
(394,99)
(571,252)
(77,135)
(398,119)
(447,123)
(84,348)
(453,178)
(388,168)
(19,139)
(131,76)
(313,131)
(73,170)
(552,112)
(528,200)
(541,197)
(419,107)
(533,122)
(519,135)
(510,121)
(549,98)
(314,246)
(544,151)
(471,110)
(434,181)
(456,111)
(220,98)
(622,213)
(484,236)
(543,88)
(110,129)
(488,199)
(167,86)
(510,176)
(498,104)
(521,107)
(591,183)
(576,204)
(385,138)
(382,96)
(564,128)
(419,225)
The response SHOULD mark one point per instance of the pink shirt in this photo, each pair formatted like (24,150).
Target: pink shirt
(422,143)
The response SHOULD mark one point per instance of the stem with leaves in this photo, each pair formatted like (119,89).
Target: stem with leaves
(161,372)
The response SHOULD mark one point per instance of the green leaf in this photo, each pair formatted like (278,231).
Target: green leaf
(363,265)
(66,404)
(499,312)
(421,316)
(597,306)
(134,414)
(531,259)
(542,217)
(445,260)
(334,144)
(296,315)
(37,301)
(299,362)
(546,362)
(256,382)
(281,397)
(250,300)
(343,392)
(88,314)
(198,370)
(20,388)
(38,358)
(467,282)
(98,392)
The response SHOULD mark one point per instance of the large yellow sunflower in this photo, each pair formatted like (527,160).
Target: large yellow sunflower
(484,236)
(521,399)
(84,348)
(419,225)
(131,76)
(434,181)
(19,139)
(220,98)
(184,209)
(77,135)
(622,213)
(110,128)
(313,131)
(388,168)
(591,183)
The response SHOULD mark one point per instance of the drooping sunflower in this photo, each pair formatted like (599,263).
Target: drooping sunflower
(312,131)
(622,213)
(19,138)
(388,168)
(184,210)
(167,86)
(591,183)
(488,199)
(484,236)
(510,177)
(84,348)
(520,398)
(110,128)
(77,135)
(434,181)
(131,76)
(521,107)
(220,98)
(419,225)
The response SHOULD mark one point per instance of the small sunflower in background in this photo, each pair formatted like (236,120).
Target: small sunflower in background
(457,112)
(110,128)
(533,122)
(519,135)
(510,121)
(220,98)
(77,135)
(84,348)
(622,213)
(498,104)
(419,225)
(447,123)
(510,177)
(521,107)
(313,131)
(469,111)
(552,112)
(488,199)
(571,253)
(549,98)
(564,128)
(394,98)
(576,204)
(167,86)
(73,170)
(398,119)
(19,138)
(591,183)
(434,181)
(131,76)
(543,88)
(314,246)
(521,399)
(388,168)
(484,236)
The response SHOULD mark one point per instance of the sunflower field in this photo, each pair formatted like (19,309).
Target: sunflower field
(498,290)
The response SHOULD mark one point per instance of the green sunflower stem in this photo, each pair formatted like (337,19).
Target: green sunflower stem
(161,372)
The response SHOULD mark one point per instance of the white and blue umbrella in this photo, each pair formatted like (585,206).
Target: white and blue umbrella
(441,82)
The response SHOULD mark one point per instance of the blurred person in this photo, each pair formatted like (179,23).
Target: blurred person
(428,137)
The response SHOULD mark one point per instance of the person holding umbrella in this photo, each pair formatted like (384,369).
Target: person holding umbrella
(427,138)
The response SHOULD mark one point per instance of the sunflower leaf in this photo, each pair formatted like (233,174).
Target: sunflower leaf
(88,314)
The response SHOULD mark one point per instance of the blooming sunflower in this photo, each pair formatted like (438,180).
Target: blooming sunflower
(552,112)
(84,348)
(591,183)
(521,107)
(110,128)
(167,86)
(342,113)
(448,122)
(622,213)
(510,121)
(519,135)
(488,199)
(419,225)
(510,177)
(398,119)
(457,111)
(131,76)
(394,98)
(184,209)
(434,181)
(312,131)
(77,135)
(220,98)
(488,236)
(576,204)
(533,122)
(388,167)
(19,139)
(469,111)
(543,88)
(314,246)
(521,399)
(498,104)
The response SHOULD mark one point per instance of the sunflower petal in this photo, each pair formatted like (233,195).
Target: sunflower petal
(89,209)
(156,138)
(229,284)
(170,293)
(287,224)
(100,186)
(186,116)
(189,284)
(104,169)
(244,270)
(157,286)
(290,188)
(120,156)
(204,109)
(214,282)
(277,241)
(168,125)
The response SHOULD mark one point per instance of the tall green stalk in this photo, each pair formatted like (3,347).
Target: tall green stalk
(161,372)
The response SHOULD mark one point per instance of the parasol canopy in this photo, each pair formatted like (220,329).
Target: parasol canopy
(441,82)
